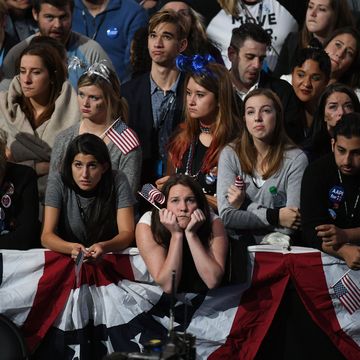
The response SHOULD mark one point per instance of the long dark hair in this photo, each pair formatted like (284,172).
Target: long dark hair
(319,142)
(50,56)
(161,234)
(343,17)
(104,202)
(352,76)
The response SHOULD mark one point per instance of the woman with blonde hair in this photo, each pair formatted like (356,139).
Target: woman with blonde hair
(103,113)
(211,121)
(259,168)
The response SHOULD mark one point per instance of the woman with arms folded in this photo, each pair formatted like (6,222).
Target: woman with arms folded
(266,162)
(184,236)
(88,207)
(39,104)
(102,108)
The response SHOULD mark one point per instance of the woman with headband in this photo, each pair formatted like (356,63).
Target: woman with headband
(211,121)
(39,104)
(103,113)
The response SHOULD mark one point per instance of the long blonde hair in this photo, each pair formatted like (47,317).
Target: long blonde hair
(117,106)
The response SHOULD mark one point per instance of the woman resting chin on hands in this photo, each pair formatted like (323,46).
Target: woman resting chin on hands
(88,207)
(184,236)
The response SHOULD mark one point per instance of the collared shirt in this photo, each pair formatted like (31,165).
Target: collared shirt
(242,94)
(162,102)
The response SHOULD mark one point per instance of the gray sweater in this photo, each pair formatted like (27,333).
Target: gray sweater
(252,214)
(130,163)
(71,227)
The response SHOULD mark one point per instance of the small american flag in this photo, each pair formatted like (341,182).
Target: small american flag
(239,182)
(152,194)
(348,293)
(122,136)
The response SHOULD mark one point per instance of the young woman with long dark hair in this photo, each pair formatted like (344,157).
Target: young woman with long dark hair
(183,236)
(39,104)
(88,207)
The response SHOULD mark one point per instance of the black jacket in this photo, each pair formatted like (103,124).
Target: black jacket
(293,112)
(137,93)
(22,216)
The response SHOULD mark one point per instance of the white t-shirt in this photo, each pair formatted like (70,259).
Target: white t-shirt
(270,14)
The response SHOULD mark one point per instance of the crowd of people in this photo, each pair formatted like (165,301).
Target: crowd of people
(245,115)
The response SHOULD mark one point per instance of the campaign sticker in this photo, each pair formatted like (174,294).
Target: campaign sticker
(336,194)
(6,201)
(112,32)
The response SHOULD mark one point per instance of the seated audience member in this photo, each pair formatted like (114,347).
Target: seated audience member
(211,121)
(88,207)
(322,18)
(20,22)
(261,165)
(155,97)
(247,52)
(54,19)
(19,204)
(330,194)
(198,41)
(343,48)
(38,105)
(112,24)
(277,17)
(184,236)
(102,109)
(334,102)
(309,77)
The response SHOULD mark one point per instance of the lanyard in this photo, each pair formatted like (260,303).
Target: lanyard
(259,16)
(97,27)
(356,200)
